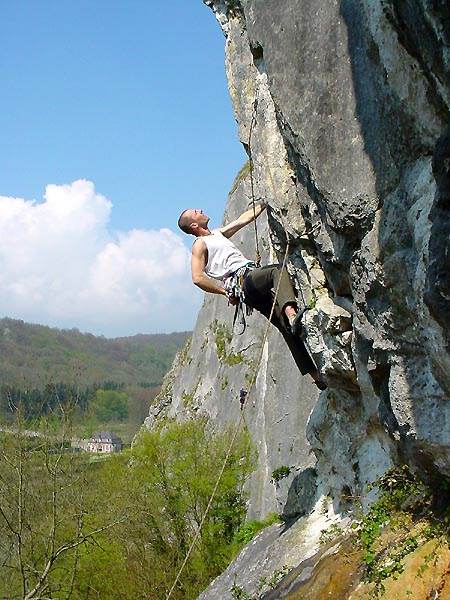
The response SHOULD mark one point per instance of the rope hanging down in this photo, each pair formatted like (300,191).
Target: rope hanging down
(233,438)
(252,185)
(306,232)
(243,397)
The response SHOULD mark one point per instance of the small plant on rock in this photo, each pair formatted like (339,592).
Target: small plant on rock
(247,532)
(223,338)
(239,593)
(271,582)
(330,534)
(280,473)
(403,501)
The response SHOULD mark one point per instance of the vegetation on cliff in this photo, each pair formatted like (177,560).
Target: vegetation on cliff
(398,547)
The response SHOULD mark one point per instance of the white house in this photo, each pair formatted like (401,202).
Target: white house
(104,442)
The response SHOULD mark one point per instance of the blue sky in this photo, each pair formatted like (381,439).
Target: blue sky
(129,95)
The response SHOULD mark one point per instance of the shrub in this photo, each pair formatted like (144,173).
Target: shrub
(138,512)
(248,530)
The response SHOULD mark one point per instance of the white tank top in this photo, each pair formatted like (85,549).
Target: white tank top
(223,256)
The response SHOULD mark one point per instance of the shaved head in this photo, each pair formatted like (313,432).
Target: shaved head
(185,220)
(193,221)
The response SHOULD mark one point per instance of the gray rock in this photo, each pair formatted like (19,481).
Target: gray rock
(358,104)
(343,108)
(208,374)
(271,554)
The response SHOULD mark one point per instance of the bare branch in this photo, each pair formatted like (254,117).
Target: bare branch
(61,550)
(75,560)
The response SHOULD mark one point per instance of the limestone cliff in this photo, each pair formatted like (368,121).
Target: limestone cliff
(208,374)
(344,109)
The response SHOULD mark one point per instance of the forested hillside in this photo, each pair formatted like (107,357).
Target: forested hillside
(103,383)
(32,355)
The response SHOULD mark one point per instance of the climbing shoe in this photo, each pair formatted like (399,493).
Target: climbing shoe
(321,384)
(319,379)
(297,326)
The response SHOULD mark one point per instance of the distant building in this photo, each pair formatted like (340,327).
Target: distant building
(104,442)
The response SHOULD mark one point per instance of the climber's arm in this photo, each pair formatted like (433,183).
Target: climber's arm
(198,264)
(247,217)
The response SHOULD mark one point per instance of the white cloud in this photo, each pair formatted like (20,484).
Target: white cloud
(60,265)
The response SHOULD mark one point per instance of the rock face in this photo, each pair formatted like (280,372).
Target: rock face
(208,374)
(343,108)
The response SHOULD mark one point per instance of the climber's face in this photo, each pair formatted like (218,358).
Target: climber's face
(198,219)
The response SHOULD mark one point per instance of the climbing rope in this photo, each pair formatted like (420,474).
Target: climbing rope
(252,184)
(243,401)
(244,395)
(272,183)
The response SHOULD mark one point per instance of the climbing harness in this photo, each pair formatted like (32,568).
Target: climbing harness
(234,290)
(243,401)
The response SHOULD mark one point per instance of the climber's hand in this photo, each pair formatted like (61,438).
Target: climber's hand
(262,204)
(232,300)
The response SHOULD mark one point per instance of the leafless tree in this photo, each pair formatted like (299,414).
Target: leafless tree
(43,510)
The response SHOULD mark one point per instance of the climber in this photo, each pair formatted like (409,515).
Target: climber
(219,267)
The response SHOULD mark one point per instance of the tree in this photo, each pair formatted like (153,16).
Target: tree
(46,495)
(168,481)
(110,405)
(72,528)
